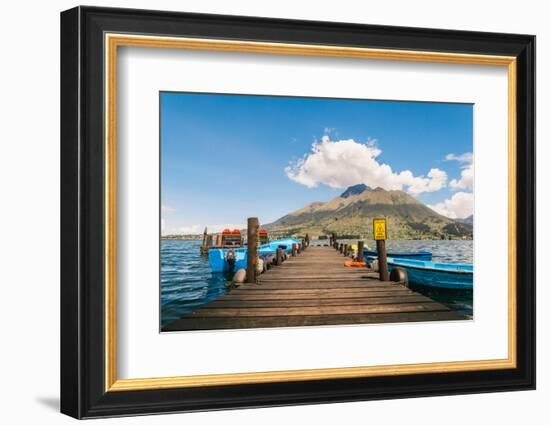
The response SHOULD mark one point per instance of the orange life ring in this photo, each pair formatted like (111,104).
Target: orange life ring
(351,263)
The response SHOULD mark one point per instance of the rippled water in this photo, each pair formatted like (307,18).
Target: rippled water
(457,251)
(185,279)
(443,251)
(187,283)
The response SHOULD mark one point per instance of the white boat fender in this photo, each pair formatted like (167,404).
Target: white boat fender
(239,276)
(260,266)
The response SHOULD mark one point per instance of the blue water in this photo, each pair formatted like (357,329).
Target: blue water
(186,282)
(460,300)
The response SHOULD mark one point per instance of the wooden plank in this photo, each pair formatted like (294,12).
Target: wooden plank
(301,296)
(310,274)
(208,323)
(331,277)
(378,292)
(313,284)
(270,302)
(318,310)
(316,293)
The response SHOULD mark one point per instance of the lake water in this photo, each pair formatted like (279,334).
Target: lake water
(187,283)
(444,252)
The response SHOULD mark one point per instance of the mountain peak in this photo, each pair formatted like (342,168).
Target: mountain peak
(352,212)
(355,190)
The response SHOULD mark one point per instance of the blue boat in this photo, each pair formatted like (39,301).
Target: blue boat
(217,258)
(412,255)
(431,273)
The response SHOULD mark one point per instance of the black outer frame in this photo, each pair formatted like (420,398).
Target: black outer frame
(82,206)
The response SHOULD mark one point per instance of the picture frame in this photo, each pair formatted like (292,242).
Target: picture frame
(90,39)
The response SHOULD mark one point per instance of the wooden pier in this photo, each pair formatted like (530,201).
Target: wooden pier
(314,288)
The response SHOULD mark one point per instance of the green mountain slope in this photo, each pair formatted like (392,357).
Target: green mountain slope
(351,214)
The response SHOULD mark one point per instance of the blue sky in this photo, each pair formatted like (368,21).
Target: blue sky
(226,157)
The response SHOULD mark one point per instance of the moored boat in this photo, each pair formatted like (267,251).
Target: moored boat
(218,257)
(412,255)
(431,273)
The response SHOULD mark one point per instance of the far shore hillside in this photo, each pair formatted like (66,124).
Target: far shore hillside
(350,216)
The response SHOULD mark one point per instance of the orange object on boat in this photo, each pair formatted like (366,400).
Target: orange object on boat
(226,232)
(263,232)
(351,263)
(236,232)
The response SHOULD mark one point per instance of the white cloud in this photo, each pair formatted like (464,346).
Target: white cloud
(343,163)
(461,205)
(466,157)
(466,180)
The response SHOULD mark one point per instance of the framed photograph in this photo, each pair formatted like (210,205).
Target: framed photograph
(261,212)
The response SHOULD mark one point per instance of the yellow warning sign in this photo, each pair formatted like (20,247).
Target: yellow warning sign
(379,226)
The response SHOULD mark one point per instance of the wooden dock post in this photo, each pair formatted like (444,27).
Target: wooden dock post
(307,240)
(341,248)
(204,235)
(252,234)
(303,246)
(380,235)
(345,249)
(294,250)
(360,247)
(279,256)
(382,260)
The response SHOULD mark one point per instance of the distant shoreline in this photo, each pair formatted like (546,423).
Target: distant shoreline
(183,237)
(199,238)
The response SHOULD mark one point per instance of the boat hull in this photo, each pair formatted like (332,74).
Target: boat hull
(413,255)
(219,264)
(438,279)
(438,275)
